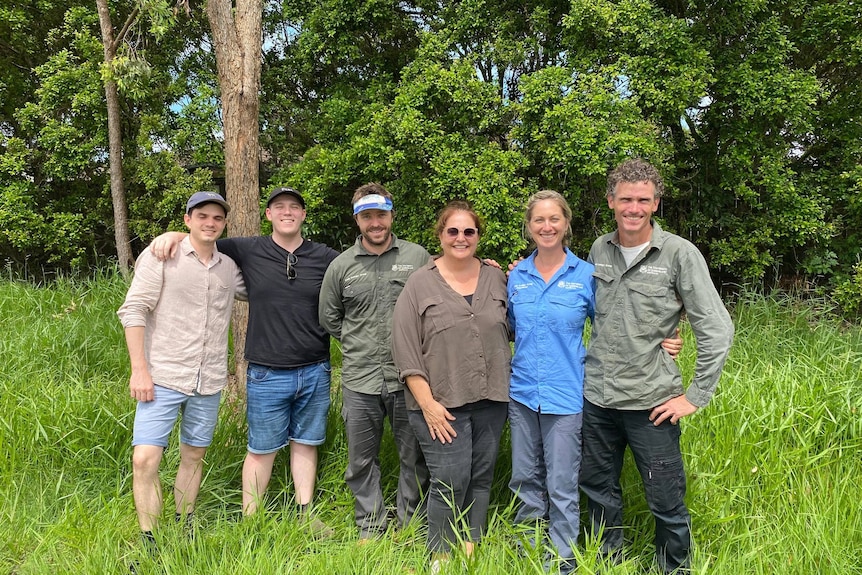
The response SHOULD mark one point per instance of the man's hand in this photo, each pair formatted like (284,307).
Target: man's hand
(164,247)
(492,263)
(513,265)
(673,345)
(141,386)
(675,408)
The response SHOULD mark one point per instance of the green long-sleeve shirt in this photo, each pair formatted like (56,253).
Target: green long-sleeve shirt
(357,298)
(637,307)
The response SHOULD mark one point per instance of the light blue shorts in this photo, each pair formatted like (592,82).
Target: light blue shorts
(155,419)
(286,405)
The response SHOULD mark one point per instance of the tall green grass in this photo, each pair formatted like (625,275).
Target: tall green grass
(774,463)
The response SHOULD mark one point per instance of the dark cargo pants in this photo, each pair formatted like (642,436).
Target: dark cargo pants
(606,432)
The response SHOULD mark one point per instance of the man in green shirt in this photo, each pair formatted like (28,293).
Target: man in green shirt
(357,298)
(633,393)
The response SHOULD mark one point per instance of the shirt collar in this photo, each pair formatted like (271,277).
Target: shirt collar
(656,239)
(187,249)
(572,261)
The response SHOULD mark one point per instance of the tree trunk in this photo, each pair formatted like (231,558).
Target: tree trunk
(115,139)
(237,40)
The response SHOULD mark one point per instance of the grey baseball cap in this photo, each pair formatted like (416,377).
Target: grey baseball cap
(199,198)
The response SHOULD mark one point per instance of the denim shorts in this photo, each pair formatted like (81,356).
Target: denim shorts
(286,405)
(155,419)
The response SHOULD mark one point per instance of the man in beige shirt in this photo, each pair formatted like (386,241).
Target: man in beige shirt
(176,317)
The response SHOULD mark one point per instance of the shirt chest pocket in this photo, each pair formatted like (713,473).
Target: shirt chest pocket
(396,285)
(648,303)
(604,293)
(567,313)
(436,315)
(524,310)
(358,293)
(220,296)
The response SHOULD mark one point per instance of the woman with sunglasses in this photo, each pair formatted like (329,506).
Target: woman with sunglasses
(451,346)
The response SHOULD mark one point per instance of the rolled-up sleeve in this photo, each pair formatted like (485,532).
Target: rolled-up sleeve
(241,292)
(145,291)
(407,336)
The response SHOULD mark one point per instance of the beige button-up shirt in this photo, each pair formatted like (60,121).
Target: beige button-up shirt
(185,307)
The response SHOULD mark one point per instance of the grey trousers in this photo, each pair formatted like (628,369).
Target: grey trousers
(363,416)
(546,461)
(461,472)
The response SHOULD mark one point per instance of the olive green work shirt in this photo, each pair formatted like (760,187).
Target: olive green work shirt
(357,299)
(462,350)
(636,308)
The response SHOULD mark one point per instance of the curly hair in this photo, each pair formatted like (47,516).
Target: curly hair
(635,170)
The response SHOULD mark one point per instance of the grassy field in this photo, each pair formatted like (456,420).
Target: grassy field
(774,463)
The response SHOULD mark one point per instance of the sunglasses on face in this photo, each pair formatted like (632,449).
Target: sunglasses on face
(468,232)
(291,266)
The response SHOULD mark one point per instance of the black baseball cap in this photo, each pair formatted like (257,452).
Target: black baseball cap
(289,191)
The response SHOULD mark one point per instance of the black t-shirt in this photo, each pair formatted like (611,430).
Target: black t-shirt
(283,330)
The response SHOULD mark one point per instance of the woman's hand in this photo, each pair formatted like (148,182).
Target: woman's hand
(437,419)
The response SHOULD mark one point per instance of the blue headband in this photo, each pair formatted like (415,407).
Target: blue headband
(372,202)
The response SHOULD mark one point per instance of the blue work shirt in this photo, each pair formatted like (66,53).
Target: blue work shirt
(548,321)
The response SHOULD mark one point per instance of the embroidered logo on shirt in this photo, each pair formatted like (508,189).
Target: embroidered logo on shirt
(355,277)
(569,285)
(653,270)
(402,267)
(522,286)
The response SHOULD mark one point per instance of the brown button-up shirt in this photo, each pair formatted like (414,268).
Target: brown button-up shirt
(185,307)
(461,350)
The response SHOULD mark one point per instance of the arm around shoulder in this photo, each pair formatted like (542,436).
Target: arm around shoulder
(164,246)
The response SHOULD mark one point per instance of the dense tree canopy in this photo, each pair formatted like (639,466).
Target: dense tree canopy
(752,109)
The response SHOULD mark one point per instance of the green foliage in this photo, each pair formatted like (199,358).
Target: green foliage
(751,109)
(50,211)
(159,15)
(132,75)
(848,293)
(575,126)
(54,192)
(747,198)
(428,145)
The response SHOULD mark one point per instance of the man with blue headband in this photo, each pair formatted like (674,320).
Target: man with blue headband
(357,298)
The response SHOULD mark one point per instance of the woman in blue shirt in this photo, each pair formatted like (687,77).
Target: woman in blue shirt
(551,294)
